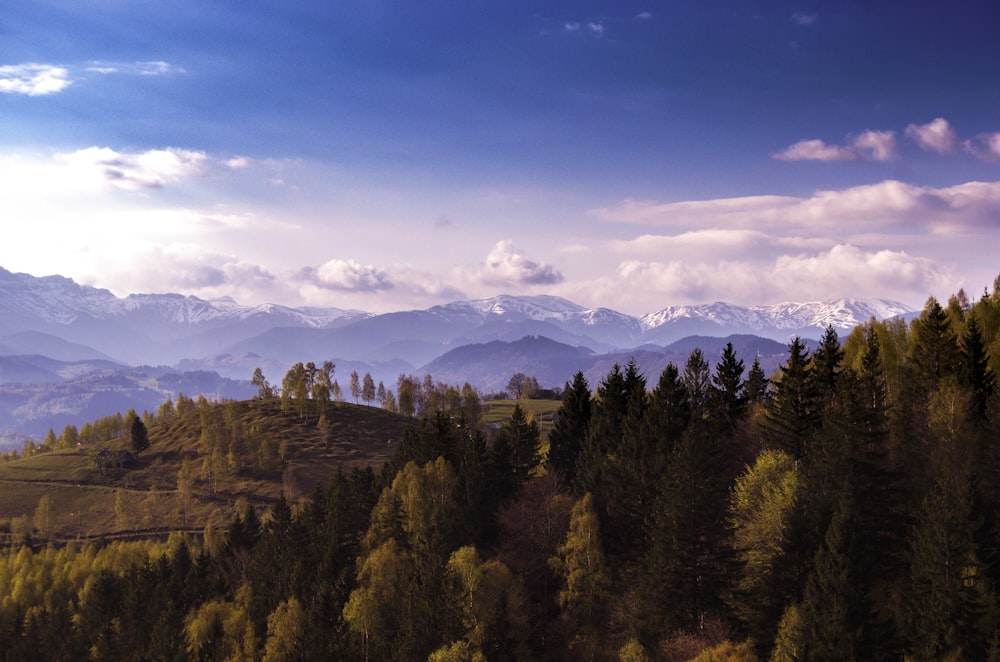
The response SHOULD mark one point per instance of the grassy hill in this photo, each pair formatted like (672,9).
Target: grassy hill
(144,499)
(87,502)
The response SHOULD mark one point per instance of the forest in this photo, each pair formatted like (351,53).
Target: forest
(846,507)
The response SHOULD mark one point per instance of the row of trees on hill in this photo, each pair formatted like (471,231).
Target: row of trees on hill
(843,508)
(305,384)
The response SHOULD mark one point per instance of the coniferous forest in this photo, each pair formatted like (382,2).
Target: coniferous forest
(846,507)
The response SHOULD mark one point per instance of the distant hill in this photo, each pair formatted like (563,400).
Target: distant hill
(38,393)
(490,365)
(164,329)
(65,348)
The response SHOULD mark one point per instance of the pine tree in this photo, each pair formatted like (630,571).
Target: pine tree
(934,353)
(138,436)
(570,429)
(515,453)
(831,604)
(608,411)
(826,364)
(727,391)
(976,374)
(757,384)
(792,416)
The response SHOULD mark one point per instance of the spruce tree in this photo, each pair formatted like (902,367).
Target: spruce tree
(975,373)
(792,415)
(727,391)
(514,454)
(826,364)
(139,436)
(757,384)
(570,429)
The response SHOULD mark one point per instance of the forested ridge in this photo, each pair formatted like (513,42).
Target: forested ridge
(847,507)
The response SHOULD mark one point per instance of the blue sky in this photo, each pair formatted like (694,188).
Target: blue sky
(392,155)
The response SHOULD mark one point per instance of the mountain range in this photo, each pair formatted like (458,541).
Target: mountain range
(89,329)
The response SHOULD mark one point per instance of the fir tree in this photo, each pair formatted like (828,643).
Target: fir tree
(791,416)
(570,429)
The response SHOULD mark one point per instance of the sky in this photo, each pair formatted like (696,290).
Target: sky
(393,155)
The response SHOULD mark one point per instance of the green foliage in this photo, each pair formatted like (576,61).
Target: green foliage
(865,528)
(760,511)
(580,562)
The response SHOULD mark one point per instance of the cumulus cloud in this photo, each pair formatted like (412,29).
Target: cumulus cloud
(348,276)
(33,79)
(804,19)
(717,244)
(180,267)
(875,145)
(985,146)
(935,136)
(239,162)
(143,170)
(644,16)
(867,146)
(889,204)
(506,264)
(826,274)
(814,150)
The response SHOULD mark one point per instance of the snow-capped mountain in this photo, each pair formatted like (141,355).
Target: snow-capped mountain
(60,335)
(167,328)
(779,321)
(60,300)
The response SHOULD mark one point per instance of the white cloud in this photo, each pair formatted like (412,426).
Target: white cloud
(594,28)
(935,136)
(644,15)
(157,68)
(184,268)
(875,145)
(143,170)
(716,244)
(985,146)
(868,146)
(147,68)
(239,162)
(348,275)
(843,270)
(804,19)
(889,204)
(506,264)
(814,150)
(33,79)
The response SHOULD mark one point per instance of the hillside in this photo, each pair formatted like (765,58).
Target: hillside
(281,453)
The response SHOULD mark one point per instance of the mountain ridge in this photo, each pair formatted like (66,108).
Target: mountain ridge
(77,313)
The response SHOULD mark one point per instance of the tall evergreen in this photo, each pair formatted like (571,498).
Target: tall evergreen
(792,414)
(569,432)
(729,400)
(934,353)
(832,608)
(514,454)
(697,383)
(826,364)
(975,373)
(757,384)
